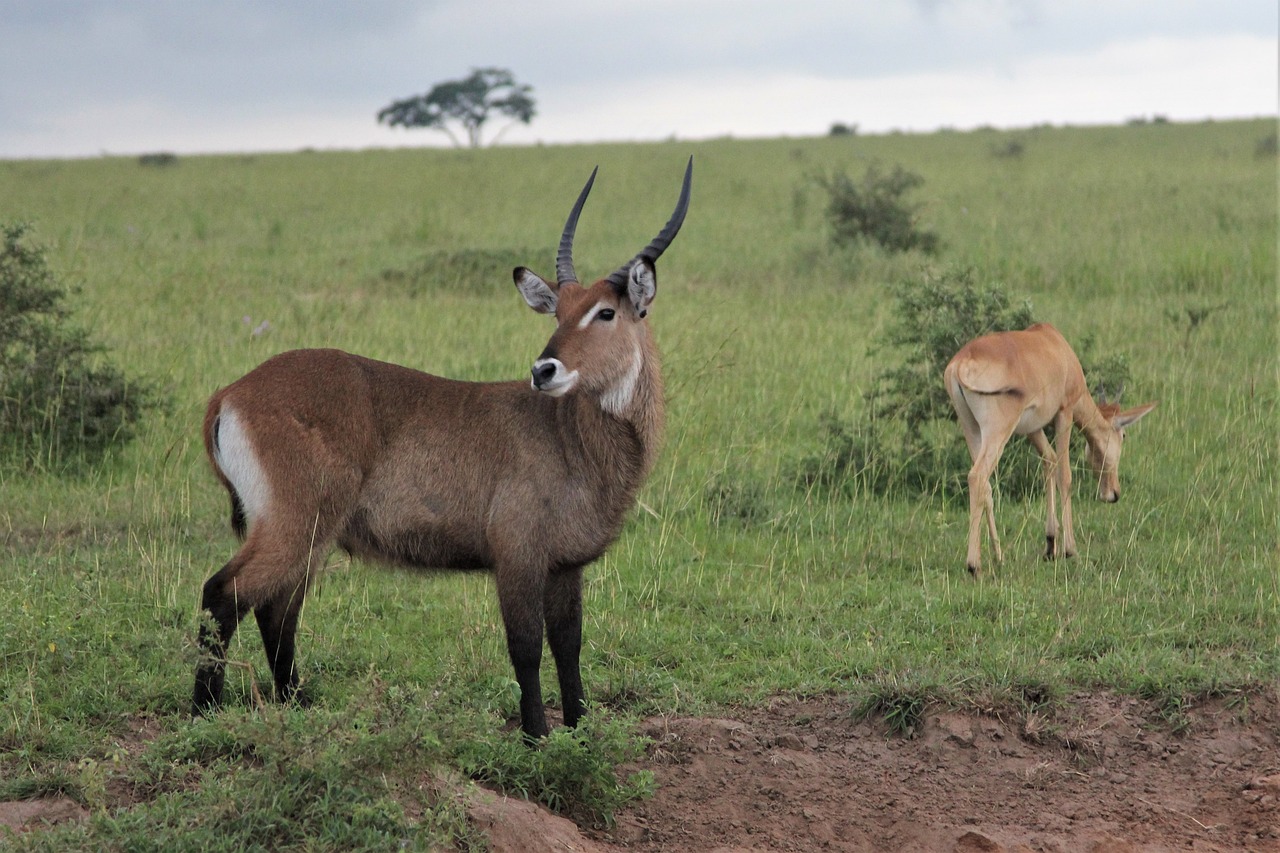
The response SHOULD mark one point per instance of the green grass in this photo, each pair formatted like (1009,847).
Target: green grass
(734,584)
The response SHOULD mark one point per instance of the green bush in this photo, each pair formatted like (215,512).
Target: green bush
(61,401)
(874,210)
(905,439)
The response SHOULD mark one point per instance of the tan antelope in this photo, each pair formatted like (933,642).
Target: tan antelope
(529,479)
(1010,383)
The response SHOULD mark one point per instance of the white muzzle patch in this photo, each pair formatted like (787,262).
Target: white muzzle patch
(555,381)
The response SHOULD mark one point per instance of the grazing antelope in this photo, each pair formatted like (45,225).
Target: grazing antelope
(1020,382)
(530,479)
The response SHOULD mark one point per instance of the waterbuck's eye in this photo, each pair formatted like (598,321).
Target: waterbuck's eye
(605,314)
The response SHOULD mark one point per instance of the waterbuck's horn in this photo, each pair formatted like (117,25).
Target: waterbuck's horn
(564,257)
(654,250)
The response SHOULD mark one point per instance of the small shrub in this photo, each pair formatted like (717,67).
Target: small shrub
(158,159)
(1266,146)
(875,210)
(905,439)
(1189,319)
(61,400)
(1010,149)
(839,128)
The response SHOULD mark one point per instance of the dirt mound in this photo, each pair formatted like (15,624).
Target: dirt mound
(1106,777)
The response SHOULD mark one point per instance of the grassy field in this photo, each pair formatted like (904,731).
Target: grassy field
(731,584)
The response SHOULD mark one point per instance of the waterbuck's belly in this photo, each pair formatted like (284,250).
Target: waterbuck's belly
(428,544)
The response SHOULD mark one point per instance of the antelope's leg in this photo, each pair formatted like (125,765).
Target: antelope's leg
(1050,466)
(563,608)
(1062,439)
(521,591)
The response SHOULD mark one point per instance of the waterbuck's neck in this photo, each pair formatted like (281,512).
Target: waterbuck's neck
(619,441)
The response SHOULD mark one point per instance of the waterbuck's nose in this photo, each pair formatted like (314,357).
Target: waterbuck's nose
(543,372)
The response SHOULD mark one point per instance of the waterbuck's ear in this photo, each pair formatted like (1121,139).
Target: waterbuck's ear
(1127,418)
(541,296)
(642,285)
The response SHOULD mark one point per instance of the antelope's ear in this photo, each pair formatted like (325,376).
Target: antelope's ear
(1131,416)
(541,296)
(642,285)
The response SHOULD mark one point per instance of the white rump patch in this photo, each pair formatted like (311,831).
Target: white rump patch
(618,399)
(234,455)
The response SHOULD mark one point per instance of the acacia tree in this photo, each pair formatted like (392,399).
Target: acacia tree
(470,102)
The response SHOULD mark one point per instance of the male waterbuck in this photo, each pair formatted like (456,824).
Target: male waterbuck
(530,479)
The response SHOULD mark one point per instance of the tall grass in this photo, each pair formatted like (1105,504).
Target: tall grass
(732,583)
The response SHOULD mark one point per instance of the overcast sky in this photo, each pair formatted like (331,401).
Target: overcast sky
(84,78)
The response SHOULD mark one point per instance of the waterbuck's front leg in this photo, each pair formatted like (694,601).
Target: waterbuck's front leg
(520,597)
(563,608)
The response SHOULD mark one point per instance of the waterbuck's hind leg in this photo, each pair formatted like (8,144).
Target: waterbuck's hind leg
(225,612)
(563,608)
(278,622)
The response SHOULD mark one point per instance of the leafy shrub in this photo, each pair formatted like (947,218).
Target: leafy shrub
(1266,146)
(906,439)
(158,159)
(1010,149)
(875,210)
(61,401)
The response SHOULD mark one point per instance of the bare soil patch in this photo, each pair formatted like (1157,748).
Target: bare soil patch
(1105,774)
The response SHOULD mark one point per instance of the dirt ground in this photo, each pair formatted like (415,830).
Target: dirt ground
(1106,775)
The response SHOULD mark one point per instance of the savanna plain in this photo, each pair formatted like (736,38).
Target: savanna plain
(774,660)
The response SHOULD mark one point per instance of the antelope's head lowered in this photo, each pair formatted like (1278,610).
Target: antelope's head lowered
(1105,440)
(601,340)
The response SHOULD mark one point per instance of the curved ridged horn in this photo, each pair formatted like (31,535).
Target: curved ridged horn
(564,257)
(654,250)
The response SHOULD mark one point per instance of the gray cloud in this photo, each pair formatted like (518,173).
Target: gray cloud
(164,64)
